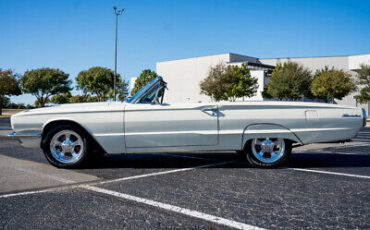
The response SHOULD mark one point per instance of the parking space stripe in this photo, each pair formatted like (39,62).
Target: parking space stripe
(164,172)
(330,173)
(184,156)
(26,193)
(176,209)
(108,181)
(348,146)
(339,153)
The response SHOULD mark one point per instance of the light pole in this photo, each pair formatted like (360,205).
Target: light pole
(117,12)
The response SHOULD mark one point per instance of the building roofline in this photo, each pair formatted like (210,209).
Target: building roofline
(252,64)
(229,53)
(318,56)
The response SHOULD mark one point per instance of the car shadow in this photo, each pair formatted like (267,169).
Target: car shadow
(186,160)
(328,160)
(178,160)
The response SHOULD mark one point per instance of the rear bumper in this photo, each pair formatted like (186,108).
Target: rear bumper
(28,140)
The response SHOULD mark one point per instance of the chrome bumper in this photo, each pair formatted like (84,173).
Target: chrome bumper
(28,140)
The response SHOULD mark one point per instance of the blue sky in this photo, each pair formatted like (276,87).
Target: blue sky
(76,35)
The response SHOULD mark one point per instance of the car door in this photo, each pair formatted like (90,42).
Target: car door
(163,125)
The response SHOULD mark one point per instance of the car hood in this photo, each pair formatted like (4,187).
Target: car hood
(74,107)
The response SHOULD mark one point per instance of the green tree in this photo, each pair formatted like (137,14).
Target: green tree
(245,85)
(8,86)
(219,82)
(78,99)
(289,81)
(41,103)
(363,79)
(121,90)
(44,83)
(145,77)
(265,94)
(5,101)
(61,98)
(98,82)
(332,84)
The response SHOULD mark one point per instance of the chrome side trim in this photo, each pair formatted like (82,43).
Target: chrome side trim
(27,140)
(13,134)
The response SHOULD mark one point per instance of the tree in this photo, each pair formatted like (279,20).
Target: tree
(121,90)
(245,85)
(265,94)
(219,82)
(44,83)
(8,86)
(61,98)
(5,101)
(289,81)
(78,99)
(363,78)
(98,81)
(145,77)
(332,84)
(39,103)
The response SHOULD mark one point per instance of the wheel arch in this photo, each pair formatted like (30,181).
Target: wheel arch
(261,130)
(53,123)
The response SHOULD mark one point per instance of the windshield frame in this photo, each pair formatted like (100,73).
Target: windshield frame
(135,99)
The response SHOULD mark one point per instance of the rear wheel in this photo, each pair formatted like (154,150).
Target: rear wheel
(267,152)
(66,146)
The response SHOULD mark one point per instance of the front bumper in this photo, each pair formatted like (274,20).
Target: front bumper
(28,140)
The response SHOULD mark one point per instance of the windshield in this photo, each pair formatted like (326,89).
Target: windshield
(142,90)
(150,93)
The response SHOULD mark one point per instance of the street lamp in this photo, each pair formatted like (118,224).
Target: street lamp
(117,12)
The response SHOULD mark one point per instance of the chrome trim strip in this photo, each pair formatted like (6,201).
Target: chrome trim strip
(13,134)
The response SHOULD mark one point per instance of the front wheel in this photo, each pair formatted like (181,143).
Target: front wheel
(267,152)
(66,146)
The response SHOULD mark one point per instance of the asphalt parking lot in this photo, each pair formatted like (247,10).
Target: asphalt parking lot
(323,186)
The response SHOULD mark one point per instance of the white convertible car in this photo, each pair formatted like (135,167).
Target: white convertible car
(263,132)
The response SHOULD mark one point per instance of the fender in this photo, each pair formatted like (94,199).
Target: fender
(70,120)
(64,119)
(263,130)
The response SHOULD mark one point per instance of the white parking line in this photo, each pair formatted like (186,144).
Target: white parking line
(26,193)
(176,209)
(339,153)
(349,146)
(330,173)
(184,156)
(164,172)
(104,182)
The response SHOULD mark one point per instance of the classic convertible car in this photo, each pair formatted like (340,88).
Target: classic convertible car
(263,132)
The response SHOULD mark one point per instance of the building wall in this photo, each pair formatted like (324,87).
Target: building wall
(184,76)
(132,83)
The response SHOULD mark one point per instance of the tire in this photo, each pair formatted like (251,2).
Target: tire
(66,146)
(267,152)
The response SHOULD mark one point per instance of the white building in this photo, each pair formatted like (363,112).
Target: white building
(183,76)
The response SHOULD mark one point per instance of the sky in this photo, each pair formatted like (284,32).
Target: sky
(74,35)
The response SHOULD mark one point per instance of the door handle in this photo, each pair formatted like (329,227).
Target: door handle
(213,109)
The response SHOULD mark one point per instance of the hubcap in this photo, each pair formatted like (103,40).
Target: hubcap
(66,146)
(268,150)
